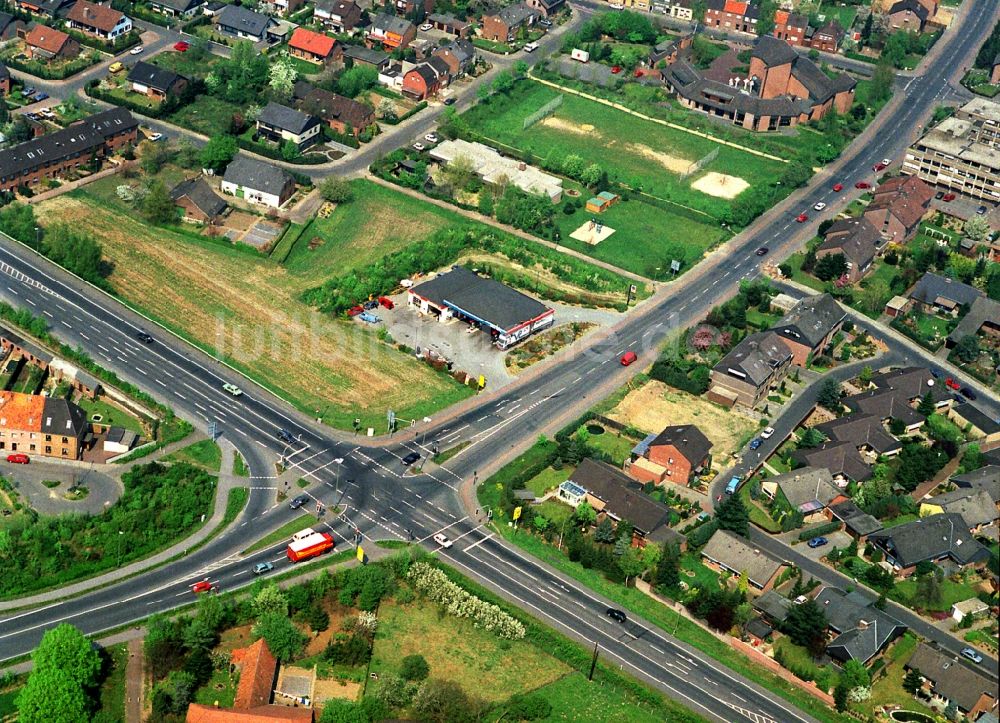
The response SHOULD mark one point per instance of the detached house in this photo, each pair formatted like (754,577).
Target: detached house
(100,21)
(898,206)
(932,539)
(940,294)
(809,328)
(391,31)
(864,431)
(983,318)
(459,55)
(976,507)
(343,115)
(45,43)
(314,47)
(177,8)
(908,15)
(753,367)
(155,82)
(950,680)
(426,79)
(731,553)
(280,124)
(860,630)
(238,22)
(674,455)
(857,240)
(340,16)
(258,182)
(39,425)
(827,38)
(810,490)
(503,26)
(198,201)
(841,458)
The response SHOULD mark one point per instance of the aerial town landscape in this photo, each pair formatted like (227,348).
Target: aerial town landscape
(499,360)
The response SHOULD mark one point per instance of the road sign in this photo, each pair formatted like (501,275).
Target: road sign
(482,381)
(631,293)
(517,513)
(213,430)
(675,266)
(361,554)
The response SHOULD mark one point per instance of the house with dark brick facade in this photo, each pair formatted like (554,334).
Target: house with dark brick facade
(732,15)
(343,115)
(827,38)
(198,201)
(790,27)
(810,327)
(502,26)
(898,206)
(750,370)
(672,456)
(857,240)
(33,424)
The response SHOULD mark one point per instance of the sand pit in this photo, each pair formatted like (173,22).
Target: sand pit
(589,233)
(560,124)
(720,185)
(671,163)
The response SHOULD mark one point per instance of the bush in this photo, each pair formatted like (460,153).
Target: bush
(818,531)
(433,583)
(528,706)
(348,650)
(414,667)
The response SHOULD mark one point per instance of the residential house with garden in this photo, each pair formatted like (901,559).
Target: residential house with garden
(282,8)
(809,328)
(732,15)
(99,21)
(426,79)
(939,538)
(14,345)
(53,155)
(44,43)
(409,7)
(898,206)
(197,201)
(547,8)
(459,55)
(827,38)
(859,630)
(809,490)
(35,424)
(983,319)
(258,182)
(773,607)
(360,55)
(390,32)
(239,22)
(975,505)
(503,26)
(986,478)
(908,16)
(728,552)
(314,47)
(343,115)
(281,124)
(980,426)
(842,459)
(865,431)
(936,294)
(857,240)
(857,523)
(184,9)
(155,82)
(340,16)
(951,681)
(750,370)
(675,455)
(52,9)
(10,27)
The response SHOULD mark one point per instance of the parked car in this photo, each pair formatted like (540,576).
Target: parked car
(545,23)
(137,50)
(881,165)
(261,567)
(972,655)
(838,187)
(426,26)
(116,67)
(967,393)
(369,318)
(144,337)
(442,539)
(370,304)
(819,206)
(952,384)
(418,146)
(767,433)
(28,92)
(862,184)
(355,310)
(756,442)
(181,46)
(38,97)
(616,69)
(948,197)
(232,389)
(802,218)
(299,501)
(449,101)
(530,47)
(18,458)
(935,372)
(386,302)
(432,137)
(762,251)
(154,137)
(817,542)
(981,210)
(939,195)
(627,358)
(410,458)
(615,614)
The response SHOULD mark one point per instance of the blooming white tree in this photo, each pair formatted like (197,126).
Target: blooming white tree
(282,75)
(433,583)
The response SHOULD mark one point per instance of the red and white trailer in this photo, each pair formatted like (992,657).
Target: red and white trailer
(310,546)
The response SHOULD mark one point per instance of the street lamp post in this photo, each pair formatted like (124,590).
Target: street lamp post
(338,461)
(120,534)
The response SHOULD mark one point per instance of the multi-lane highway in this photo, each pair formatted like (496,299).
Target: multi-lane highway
(379,496)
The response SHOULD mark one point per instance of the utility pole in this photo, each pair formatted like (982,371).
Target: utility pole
(593,663)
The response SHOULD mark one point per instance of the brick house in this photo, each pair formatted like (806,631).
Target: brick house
(459,55)
(10,27)
(408,7)
(340,16)
(783,72)
(37,425)
(502,27)
(45,43)
(810,327)
(155,82)
(100,21)
(857,240)
(790,27)
(426,79)
(909,15)
(314,47)
(859,631)
(674,455)
(938,294)
(732,15)
(827,38)
(548,8)
(50,156)
(4,80)
(726,552)
(750,370)
(898,206)
(391,32)
(343,115)
(198,201)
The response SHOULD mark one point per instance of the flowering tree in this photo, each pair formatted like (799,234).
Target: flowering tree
(433,583)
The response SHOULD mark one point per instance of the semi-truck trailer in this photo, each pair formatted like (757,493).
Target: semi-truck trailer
(310,546)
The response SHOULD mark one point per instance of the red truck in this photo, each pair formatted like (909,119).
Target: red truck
(310,546)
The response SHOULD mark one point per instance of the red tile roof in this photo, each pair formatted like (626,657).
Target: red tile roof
(905,197)
(48,39)
(261,714)
(92,15)
(21,411)
(312,42)
(735,7)
(256,677)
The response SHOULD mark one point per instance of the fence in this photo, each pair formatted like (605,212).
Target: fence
(701,162)
(543,112)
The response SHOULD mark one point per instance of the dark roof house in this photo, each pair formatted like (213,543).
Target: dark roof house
(983,312)
(733,554)
(200,195)
(806,489)
(841,458)
(281,117)
(243,23)
(953,680)
(858,523)
(622,500)
(864,431)
(155,77)
(934,538)
(857,239)
(811,325)
(986,478)
(862,630)
(975,505)
(943,292)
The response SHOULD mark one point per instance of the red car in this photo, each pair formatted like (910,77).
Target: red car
(838,187)
(638,72)
(181,46)
(18,458)
(616,69)
(628,357)
(386,302)
(862,184)
(201,586)
(355,310)
(879,167)
(948,197)
(802,218)
(949,382)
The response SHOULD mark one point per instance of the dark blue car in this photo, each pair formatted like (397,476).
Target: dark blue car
(817,542)
(757,441)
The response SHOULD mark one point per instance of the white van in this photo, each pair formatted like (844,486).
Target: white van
(530,47)
(303,534)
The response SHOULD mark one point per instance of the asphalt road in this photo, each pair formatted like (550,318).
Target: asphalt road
(369,482)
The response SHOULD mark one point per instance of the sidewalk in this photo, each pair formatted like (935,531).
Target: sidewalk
(227,481)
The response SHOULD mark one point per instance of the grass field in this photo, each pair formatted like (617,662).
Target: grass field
(456,650)
(205,114)
(112,690)
(284,532)
(573,698)
(205,454)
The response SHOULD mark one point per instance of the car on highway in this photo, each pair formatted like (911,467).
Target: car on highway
(802,217)
(261,567)
(972,655)
(948,197)
(285,436)
(418,146)
(967,393)
(432,137)
(137,50)
(232,389)
(817,542)
(862,184)
(615,614)
(442,539)
(201,586)
(181,46)
(144,337)
(449,101)
(426,26)
(628,358)
(410,458)
(819,206)
(952,384)
(18,458)
(299,501)
(756,442)
(762,251)
(767,433)
(838,187)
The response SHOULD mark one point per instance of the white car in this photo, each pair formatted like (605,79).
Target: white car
(426,26)
(137,50)
(819,206)
(616,6)
(154,137)
(442,539)
(767,433)
(232,389)
(419,146)
(432,137)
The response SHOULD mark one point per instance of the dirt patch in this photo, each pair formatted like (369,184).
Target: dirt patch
(655,406)
(544,345)
(561,124)
(234,638)
(720,185)
(671,163)
(239,220)
(330,689)
(314,243)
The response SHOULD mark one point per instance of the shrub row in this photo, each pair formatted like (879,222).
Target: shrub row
(817,531)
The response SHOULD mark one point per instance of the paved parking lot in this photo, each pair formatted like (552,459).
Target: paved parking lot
(103,489)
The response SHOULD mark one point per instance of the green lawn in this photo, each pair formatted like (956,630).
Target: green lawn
(887,690)
(112,689)
(795,262)
(235,503)
(899,520)
(110,414)
(304,67)
(219,690)
(574,698)
(546,480)
(284,532)
(618,446)
(204,453)
(697,574)
(951,592)
(844,14)
(205,114)
(557,513)
(240,468)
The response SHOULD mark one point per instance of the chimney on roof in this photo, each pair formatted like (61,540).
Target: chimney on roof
(862,625)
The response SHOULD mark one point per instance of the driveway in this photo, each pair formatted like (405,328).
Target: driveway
(103,490)
(838,539)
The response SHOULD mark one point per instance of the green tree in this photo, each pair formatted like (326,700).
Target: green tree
(882,81)
(157,206)
(336,190)
(573,165)
(414,667)
(926,406)
(912,681)
(520,69)
(585,513)
(591,175)
(968,349)
(831,267)
(874,295)
(977,228)
(631,564)
(811,438)
(65,648)
(829,394)
(443,701)
(929,590)
(270,599)
(840,696)
(605,531)
(281,77)
(338,710)
(765,19)
(17,220)
(218,152)
(172,695)
(806,626)
(796,174)
(282,637)
(503,82)
(668,571)
(855,674)
(4,113)
(733,515)
(52,696)
(358,79)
